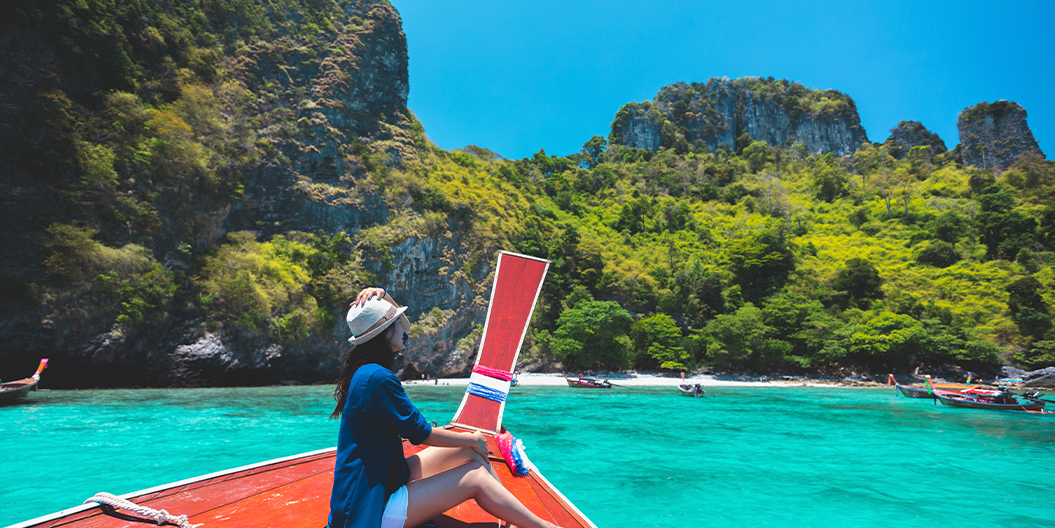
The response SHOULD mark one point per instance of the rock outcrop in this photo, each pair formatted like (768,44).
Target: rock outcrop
(995,135)
(910,134)
(350,104)
(723,113)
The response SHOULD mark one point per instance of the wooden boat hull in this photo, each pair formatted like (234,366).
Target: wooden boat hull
(969,403)
(690,391)
(295,492)
(914,392)
(587,384)
(14,390)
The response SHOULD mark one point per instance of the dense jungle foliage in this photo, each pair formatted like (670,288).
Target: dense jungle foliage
(766,258)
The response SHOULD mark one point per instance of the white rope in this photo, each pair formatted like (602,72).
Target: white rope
(161,516)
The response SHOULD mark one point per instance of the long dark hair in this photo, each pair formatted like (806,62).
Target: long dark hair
(376,350)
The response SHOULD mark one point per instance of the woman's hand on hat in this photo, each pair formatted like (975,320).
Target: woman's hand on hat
(367,294)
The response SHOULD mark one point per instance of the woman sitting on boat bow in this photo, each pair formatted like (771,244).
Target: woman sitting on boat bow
(373,483)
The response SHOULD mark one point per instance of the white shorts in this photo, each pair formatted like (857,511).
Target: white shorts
(395,510)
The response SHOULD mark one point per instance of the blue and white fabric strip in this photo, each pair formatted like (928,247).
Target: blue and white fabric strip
(495,384)
(484,391)
(518,460)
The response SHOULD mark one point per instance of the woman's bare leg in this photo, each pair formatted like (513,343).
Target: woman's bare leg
(433,495)
(433,460)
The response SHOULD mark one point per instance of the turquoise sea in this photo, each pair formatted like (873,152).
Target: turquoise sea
(789,456)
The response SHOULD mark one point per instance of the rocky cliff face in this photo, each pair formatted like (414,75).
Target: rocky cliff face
(995,135)
(332,109)
(910,134)
(350,104)
(720,112)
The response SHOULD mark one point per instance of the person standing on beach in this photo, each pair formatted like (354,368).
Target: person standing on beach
(374,485)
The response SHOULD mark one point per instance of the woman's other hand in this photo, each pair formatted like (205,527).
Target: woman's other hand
(367,294)
(480,444)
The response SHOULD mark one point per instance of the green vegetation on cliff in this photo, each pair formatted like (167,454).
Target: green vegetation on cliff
(765,261)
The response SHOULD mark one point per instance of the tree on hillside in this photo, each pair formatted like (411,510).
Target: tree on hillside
(940,254)
(592,151)
(950,226)
(632,215)
(697,292)
(1027,307)
(757,154)
(887,339)
(1004,228)
(860,279)
(741,340)
(657,342)
(593,334)
(760,262)
(869,159)
(829,181)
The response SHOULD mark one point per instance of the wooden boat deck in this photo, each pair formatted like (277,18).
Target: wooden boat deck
(295,492)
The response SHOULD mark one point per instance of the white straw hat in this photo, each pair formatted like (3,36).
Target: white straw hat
(372,317)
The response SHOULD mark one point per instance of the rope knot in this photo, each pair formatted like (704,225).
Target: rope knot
(161,516)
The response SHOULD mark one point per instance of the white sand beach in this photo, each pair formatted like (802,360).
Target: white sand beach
(641,380)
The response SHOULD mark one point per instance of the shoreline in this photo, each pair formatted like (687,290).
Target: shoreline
(532,379)
(650,380)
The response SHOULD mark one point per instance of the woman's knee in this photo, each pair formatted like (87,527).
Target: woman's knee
(473,456)
(476,474)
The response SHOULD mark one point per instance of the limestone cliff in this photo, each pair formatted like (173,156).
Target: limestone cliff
(723,112)
(349,102)
(911,134)
(995,135)
(283,132)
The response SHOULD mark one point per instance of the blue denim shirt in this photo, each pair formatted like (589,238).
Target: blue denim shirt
(370,464)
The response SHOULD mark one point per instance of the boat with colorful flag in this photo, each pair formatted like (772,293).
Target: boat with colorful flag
(975,398)
(928,390)
(13,390)
(295,491)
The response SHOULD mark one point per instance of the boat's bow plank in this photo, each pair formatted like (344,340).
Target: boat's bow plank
(298,490)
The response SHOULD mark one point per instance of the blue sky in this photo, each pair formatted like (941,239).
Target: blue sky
(516,77)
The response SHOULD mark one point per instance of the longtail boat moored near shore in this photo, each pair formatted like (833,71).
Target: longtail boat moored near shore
(294,492)
(692,390)
(14,390)
(588,383)
(999,400)
(923,392)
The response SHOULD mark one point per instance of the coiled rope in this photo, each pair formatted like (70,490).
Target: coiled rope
(161,516)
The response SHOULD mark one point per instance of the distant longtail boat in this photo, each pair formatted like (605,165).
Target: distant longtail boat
(13,390)
(928,391)
(294,491)
(588,383)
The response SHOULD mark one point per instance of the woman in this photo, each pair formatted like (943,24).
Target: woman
(373,483)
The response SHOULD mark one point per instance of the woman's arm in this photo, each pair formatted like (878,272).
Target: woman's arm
(447,438)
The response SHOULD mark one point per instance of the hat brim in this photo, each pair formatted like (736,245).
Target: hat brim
(403,321)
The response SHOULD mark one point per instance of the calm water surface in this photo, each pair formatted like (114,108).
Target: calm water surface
(626,457)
